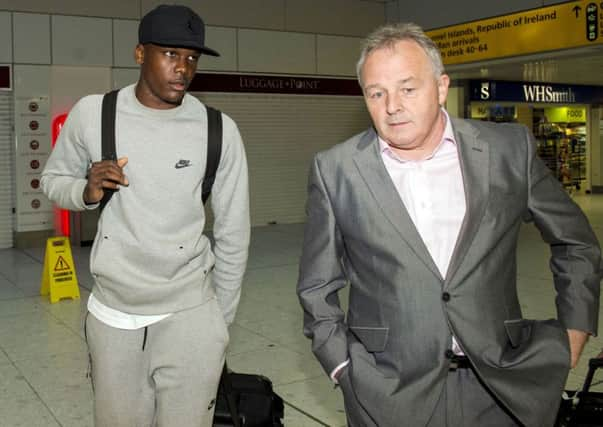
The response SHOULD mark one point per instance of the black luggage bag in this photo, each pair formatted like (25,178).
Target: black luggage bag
(247,400)
(582,408)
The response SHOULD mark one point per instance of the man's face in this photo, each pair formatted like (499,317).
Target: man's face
(403,96)
(165,74)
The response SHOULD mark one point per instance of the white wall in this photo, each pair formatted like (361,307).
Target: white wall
(265,14)
(337,55)
(70,83)
(104,8)
(224,40)
(290,37)
(339,17)
(123,77)
(342,17)
(261,51)
(31,38)
(6,47)
(125,37)
(81,41)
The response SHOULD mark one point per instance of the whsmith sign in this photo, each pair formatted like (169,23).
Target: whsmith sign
(563,26)
(543,93)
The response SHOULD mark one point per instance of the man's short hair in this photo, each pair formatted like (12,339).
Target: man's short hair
(388,35)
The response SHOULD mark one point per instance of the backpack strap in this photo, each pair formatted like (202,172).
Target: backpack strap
(109,108)
(214,150)
(214,143)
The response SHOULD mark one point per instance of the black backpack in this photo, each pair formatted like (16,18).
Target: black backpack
(214,143)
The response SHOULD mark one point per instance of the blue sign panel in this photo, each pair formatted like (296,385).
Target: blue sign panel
(530,92)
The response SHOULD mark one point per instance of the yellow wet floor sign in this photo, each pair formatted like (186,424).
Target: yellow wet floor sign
(59,278)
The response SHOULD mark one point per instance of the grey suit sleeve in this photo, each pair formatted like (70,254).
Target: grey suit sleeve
(575,252)
(321,276)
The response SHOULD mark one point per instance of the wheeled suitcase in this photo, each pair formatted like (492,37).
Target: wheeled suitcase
(247,400)
(582,408)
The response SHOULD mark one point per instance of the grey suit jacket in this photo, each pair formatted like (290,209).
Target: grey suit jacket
(399,323)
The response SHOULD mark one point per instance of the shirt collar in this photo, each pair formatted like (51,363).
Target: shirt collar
(448,142)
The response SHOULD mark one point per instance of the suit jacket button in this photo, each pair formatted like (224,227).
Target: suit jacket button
(446,296)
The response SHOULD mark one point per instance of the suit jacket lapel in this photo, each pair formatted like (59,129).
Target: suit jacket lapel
(373,172)
(475,165)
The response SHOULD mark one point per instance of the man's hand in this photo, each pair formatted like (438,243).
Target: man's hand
(577,340)
(104,174)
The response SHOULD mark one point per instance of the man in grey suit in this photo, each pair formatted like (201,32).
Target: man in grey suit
(420,215)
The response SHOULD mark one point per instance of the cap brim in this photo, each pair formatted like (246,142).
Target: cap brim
(188,45)
(208,51)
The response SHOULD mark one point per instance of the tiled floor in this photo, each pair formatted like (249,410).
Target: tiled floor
(43,355)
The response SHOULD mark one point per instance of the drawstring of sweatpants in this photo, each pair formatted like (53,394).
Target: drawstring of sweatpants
(144,339)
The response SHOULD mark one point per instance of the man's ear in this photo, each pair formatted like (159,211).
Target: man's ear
(139,54)
(443,83)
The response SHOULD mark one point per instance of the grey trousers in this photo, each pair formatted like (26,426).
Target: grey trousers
(164,375)
(464,402)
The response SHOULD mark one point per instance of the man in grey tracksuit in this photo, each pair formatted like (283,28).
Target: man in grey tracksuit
(162,297)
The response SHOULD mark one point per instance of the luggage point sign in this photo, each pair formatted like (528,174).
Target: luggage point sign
(563,26)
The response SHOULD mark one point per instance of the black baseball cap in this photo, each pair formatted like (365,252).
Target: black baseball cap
(174,26)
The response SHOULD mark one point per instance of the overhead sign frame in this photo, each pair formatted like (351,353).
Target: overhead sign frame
(558,27)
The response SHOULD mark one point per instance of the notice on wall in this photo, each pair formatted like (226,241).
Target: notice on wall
(563,26)
(32,130)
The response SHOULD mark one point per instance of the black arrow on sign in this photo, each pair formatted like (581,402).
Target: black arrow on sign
(577,10)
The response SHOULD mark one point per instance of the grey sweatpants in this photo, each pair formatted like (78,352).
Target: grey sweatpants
(172,381)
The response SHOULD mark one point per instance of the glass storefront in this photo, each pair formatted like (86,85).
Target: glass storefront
(560,133)
(556,114)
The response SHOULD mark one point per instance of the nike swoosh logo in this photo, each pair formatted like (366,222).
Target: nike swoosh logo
(182,164)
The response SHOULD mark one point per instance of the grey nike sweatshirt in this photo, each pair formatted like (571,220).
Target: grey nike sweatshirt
(150,255)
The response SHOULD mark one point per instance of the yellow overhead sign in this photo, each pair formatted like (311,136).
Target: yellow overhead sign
(563,26)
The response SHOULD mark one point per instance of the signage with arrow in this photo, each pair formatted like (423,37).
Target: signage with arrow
(577,10)
(563,26)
